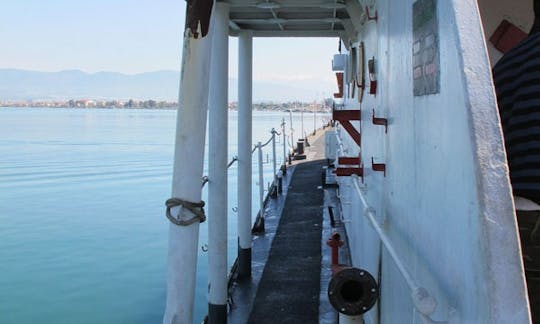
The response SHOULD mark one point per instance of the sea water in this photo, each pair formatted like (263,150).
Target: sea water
(83,234)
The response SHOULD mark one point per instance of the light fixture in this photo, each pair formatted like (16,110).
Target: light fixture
(268,5)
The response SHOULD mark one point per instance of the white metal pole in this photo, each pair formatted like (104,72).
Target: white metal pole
(188,164)
(292,129)
(217,167)
(261,181)
(314,120)
(302,118)
(283,128)
(274,156)
(245,81)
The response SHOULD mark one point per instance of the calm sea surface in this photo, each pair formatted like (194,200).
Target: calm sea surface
(83,236)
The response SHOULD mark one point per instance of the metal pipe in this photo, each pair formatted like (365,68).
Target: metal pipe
(188,162)
(292,130)
(302,119)
(284,146)
(314,120)
(352,292)
(274,156)
(423,301)
(261,182)
(346,319)
(245,92)
(217,167)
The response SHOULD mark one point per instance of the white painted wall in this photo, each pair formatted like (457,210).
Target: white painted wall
(446,201)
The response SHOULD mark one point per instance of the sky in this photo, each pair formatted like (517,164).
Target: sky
(137,36)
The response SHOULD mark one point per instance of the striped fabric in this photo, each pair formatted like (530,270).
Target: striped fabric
(517,82)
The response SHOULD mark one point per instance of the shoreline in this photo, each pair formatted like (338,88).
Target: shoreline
(295,110)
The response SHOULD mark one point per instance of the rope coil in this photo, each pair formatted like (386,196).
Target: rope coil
(197,209)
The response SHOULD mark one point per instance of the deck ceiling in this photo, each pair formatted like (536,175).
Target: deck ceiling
(294,18)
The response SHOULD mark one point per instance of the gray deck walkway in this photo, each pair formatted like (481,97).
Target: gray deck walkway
(289,289)
(290,285)
(286,273)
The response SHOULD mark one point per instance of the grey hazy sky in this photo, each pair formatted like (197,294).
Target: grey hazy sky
(136,36)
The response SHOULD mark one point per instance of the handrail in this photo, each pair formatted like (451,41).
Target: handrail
(234,159)
(205,178)
(422,300)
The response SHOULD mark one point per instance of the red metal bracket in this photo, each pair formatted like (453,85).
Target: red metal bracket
(373,87)
(376,17)
(380,121)
(380,167)
(347,172)
(345,117)
(339,79)
(349,160)
(355,167)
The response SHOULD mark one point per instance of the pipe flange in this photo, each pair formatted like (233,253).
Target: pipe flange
(353,291)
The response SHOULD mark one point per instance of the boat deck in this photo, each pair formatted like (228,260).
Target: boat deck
(286,286)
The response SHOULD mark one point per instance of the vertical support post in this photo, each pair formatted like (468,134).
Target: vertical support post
(303,135)
(188,162)
(284,146)
(292,129)
(245,80)
(314,120)
(274,155)
(261,182)
(217,167)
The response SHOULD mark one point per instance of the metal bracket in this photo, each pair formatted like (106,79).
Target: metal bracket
(339,78)
(380,121)
(354,167)
(380,167)
(345,117)
(369,17)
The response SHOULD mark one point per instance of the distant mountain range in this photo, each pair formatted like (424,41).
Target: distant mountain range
(160,85)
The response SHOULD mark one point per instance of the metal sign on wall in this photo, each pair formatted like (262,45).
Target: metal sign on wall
(426,57)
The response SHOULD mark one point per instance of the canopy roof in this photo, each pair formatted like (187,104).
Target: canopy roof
(296,18)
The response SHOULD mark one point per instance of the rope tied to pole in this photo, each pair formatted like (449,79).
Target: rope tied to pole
(197,209)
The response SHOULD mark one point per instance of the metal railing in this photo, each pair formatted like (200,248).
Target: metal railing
(258,147)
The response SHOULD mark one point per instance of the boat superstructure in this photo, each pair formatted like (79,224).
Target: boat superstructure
(417,151)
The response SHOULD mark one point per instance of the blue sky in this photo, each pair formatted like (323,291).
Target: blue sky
(136,36)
